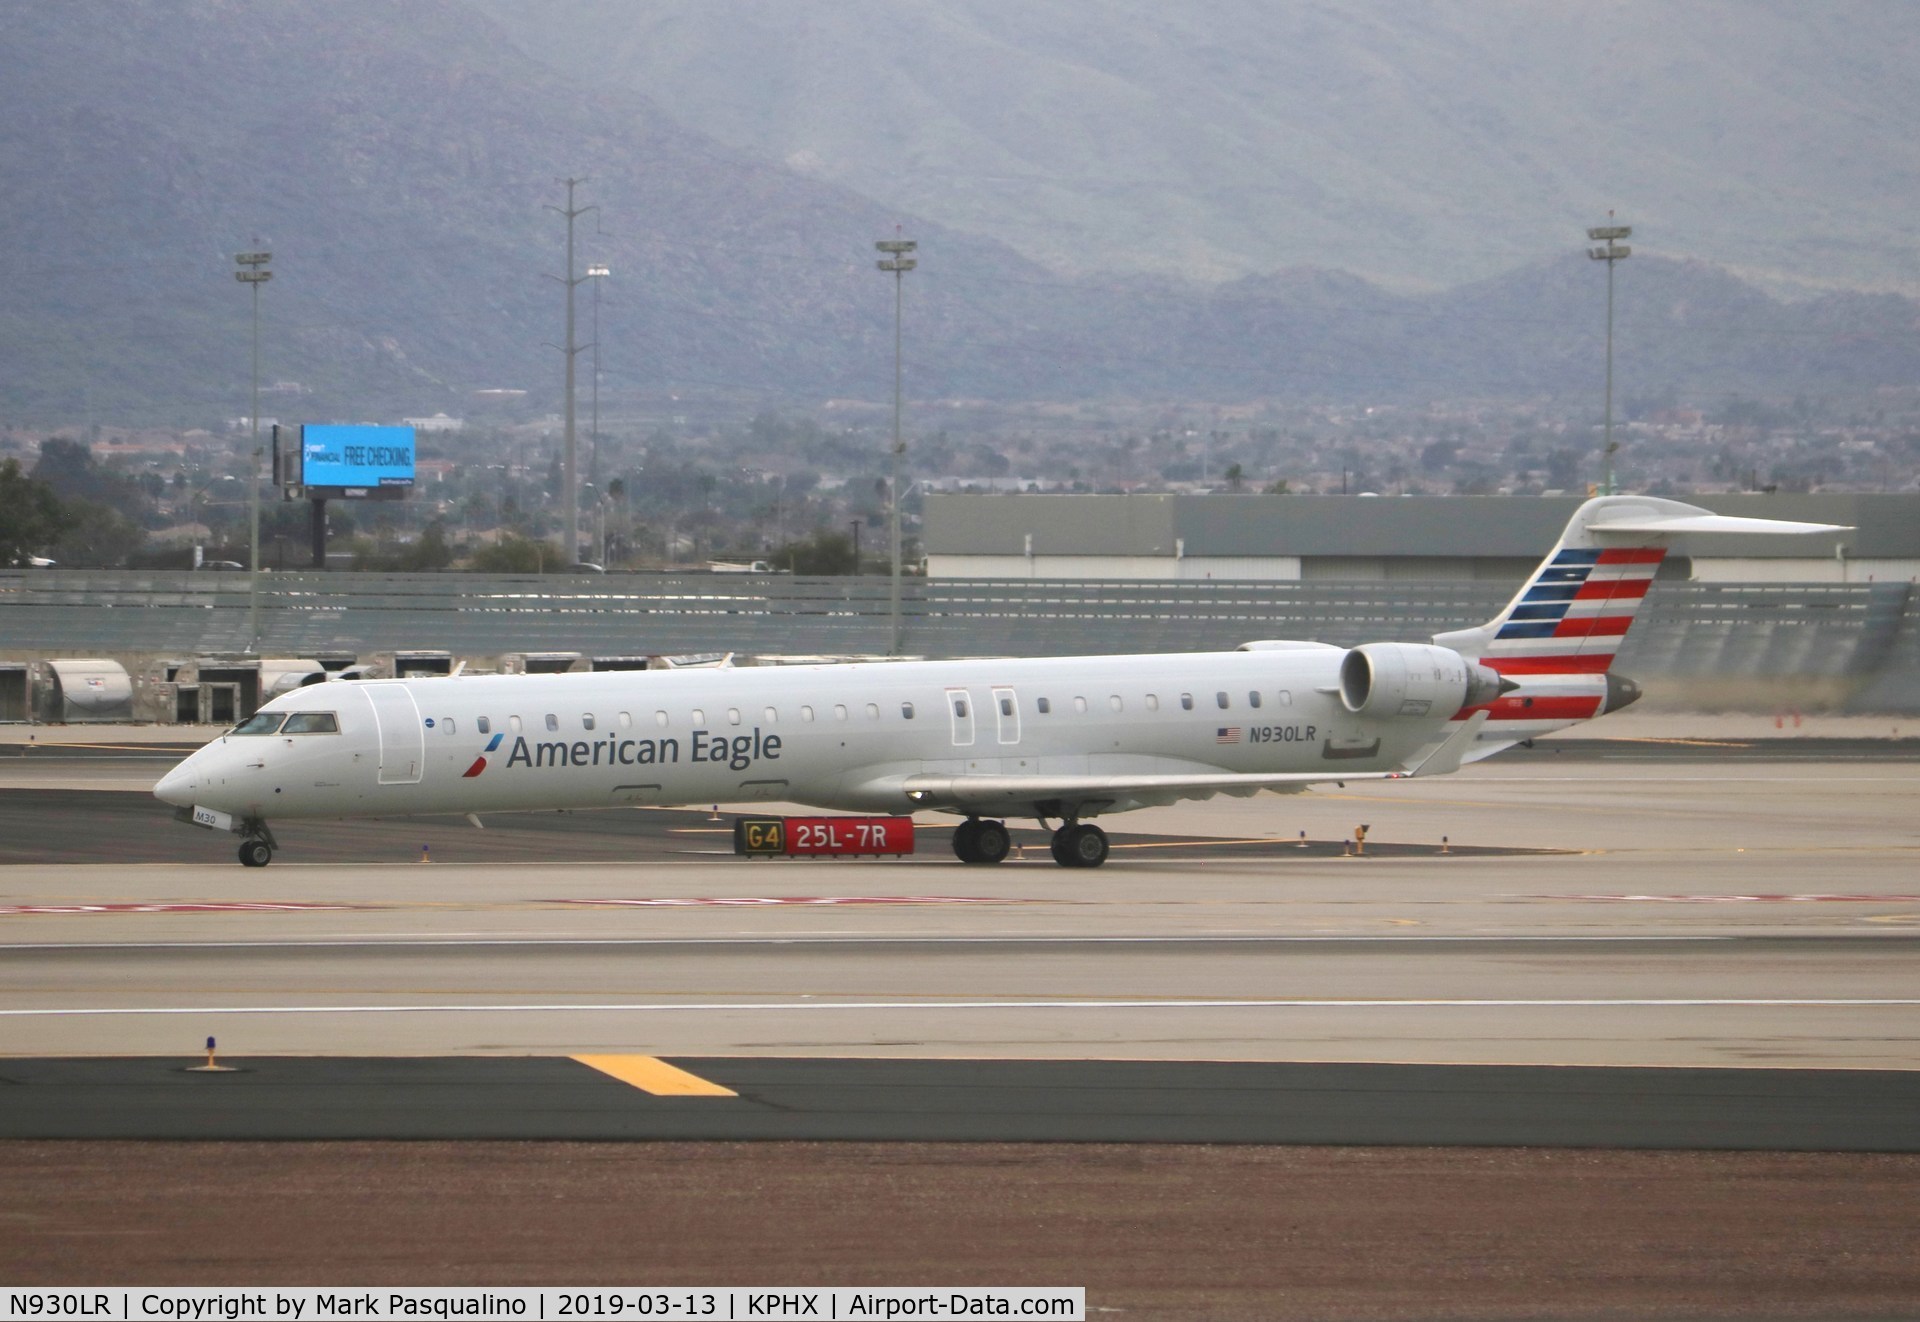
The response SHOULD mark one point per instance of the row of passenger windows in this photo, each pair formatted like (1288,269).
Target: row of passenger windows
(871,711)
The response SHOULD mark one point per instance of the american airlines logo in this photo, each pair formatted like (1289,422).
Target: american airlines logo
(737,752)
(480,763)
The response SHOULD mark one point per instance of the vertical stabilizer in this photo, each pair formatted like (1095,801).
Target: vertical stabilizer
(1576,607)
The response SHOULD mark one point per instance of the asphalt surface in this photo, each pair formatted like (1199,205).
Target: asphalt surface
(967,1101)
(1687,906)
(130,826)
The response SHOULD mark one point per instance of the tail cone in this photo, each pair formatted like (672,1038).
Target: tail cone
(1621,692)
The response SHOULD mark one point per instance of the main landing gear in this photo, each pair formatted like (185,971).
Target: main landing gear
(975,841)
(256,844)
(1075,844)
(1079,845)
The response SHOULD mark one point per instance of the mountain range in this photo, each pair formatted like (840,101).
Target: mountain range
(1417,145)
(402,162)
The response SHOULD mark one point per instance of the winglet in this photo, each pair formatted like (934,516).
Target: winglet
(1445,759)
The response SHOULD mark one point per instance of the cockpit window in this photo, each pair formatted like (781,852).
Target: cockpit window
(265,722)
(312,722)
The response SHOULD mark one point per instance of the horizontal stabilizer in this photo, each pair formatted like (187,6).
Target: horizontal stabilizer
(1680,523)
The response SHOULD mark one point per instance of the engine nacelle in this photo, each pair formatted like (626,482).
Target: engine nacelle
(1413,679)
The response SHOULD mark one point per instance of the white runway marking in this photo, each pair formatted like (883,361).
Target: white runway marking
(674,1007)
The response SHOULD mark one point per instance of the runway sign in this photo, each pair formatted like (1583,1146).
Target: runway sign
(821,837)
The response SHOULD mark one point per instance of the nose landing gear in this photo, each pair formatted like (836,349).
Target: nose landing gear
(256,844)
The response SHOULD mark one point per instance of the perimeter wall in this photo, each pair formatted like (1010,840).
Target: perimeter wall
(1808,647)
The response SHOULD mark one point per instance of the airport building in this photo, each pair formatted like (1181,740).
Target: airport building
(1367,539)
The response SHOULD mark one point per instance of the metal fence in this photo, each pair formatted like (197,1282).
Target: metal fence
(1863,631)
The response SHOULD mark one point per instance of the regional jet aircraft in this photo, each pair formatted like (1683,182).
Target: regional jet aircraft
(1057,739)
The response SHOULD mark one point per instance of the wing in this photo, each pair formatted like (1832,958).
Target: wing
(1049,795)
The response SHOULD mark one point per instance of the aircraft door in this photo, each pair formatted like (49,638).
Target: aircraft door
(960,708)
(403,741)
(1006,706)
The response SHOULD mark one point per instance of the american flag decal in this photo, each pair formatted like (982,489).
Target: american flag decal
(1227,734)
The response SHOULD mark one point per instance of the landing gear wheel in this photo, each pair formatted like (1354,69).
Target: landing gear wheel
(255,853)
(964,836)
(991,843)
(1080,846)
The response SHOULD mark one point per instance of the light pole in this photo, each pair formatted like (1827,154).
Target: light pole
(1609,251)
(571,464)
(596,274)
(253,272)
(896,261)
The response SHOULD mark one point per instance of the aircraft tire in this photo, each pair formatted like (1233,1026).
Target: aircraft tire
(1081,846)
(965,837)
(991,844)
(1058,844)
(255,853)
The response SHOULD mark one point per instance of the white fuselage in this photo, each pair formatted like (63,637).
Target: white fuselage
(842,737)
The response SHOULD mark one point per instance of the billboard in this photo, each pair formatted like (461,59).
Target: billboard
(355,456)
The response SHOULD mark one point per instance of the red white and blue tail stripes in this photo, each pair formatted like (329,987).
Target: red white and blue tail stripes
(1571,617)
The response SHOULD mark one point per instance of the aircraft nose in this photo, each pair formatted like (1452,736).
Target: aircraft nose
(177,787)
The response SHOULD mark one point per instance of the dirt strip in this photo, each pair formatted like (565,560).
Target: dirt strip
(1158,1231)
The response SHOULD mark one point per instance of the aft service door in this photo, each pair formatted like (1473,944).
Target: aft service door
(403,743)
(1006,711)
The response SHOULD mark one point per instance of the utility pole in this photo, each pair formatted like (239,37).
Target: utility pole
(596,273)
(1609,252)
(253,272)
(570,465)
(899,263)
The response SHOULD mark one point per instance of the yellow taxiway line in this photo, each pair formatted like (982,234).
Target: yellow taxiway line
(651,1074)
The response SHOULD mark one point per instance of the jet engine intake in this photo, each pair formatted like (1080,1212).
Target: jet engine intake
(1414,679)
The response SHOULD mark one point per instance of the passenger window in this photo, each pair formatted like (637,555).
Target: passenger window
(486,726)
(1080,705)
(553,722)
(626,720)
(315,722)
(806,713)
(1253,698)
(1006,706)
(699,716)
(660,719)
(1186,702)
(960,708)
(1043,705)
(1115,703)
(513,723)
(873,711)
(1153,702)
(771,715)
(906,711)
(733,716)
(1286,698)
(1221,700)
(839,711)
(586,720)
(446,725)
